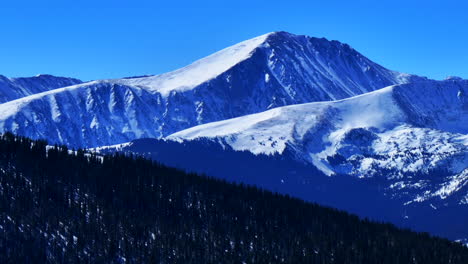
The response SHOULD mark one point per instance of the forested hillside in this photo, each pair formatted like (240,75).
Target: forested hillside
(59,206)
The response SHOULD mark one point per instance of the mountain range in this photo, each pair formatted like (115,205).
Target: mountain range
(269,71)
(331,122)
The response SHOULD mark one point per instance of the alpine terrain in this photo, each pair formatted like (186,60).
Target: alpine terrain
(272,70)
(407,144)
(303,116)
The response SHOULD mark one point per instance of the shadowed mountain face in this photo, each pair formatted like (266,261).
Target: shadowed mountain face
(272,70)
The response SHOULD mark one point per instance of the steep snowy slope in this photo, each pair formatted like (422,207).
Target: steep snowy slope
(272,70)
(401,132)
(14,88)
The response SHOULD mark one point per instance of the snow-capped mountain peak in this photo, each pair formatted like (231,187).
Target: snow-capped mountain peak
(199,71)
(332,59)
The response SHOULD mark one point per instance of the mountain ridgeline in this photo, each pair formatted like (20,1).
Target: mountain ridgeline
(15,88)
(59,206)
(272,70)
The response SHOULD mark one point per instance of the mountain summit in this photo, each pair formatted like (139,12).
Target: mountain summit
(303,67)
(272,70)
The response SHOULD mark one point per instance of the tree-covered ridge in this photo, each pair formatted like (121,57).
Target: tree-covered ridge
(62,207)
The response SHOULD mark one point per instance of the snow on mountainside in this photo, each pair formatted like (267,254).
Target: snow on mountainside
(398,154)
(272,70)
(200,71)
(14,88)
(401,132)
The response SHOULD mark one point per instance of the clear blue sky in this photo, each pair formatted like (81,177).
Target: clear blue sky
(109,39)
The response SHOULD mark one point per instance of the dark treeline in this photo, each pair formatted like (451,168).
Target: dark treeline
(58,207)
